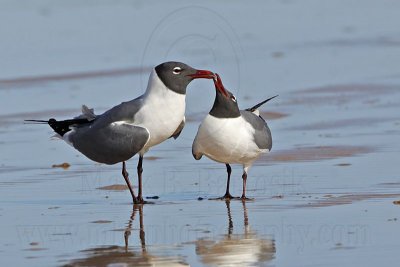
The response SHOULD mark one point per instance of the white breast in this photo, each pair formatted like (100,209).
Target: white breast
(162,111)
(227,140)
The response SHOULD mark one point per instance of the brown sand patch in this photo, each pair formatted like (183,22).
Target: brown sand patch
(335,124)
(270,115)
(341,94)
(152,158)
(343,164)
(102,221)
(319,100)
(114,187)
(396,202)
(347,199)
(365,89)
(315,153)
(64,165)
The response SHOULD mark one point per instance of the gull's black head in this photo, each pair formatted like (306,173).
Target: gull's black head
(225,103)
(176,75)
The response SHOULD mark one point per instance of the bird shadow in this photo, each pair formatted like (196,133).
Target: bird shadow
(127,255)
(236,249)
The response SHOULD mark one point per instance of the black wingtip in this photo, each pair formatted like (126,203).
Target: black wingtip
(60,127)
(252,109)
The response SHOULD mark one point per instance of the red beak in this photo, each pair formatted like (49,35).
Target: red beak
(204,74)
(219,86)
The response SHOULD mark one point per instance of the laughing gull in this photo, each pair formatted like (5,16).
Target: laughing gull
(135,126)
(229,135)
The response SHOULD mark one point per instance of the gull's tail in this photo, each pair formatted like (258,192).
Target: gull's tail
(35,122)
(252,109)
(60,127)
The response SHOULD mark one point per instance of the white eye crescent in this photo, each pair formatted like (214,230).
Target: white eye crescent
(176,70)
(233,98)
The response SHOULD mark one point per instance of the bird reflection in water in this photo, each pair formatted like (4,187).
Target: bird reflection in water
(236,249)
(108,256)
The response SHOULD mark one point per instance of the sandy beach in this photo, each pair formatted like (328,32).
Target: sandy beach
(326,195)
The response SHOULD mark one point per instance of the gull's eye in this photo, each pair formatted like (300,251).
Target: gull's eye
(176,70)
(233,98)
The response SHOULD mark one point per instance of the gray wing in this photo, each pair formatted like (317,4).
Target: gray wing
(111,144)
(123,112)
(105,141)
(179,129)
(262,135)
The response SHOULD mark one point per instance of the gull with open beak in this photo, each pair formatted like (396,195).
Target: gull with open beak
(133,127)
(229,135)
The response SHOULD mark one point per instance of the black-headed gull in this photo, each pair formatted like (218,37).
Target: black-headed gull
(229,135)
(135,126)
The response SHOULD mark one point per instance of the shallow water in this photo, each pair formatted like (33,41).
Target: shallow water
(323,197)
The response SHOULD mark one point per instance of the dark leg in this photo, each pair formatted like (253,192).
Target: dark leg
(125,174)
(139,173)
(229,171)
(227,195)
(244,177)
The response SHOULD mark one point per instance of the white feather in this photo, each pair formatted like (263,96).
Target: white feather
(228,140)
(162,112)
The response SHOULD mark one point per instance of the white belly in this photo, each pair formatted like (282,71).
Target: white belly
(226,140)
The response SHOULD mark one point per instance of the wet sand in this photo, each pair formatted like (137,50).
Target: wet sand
(327,194)
(317,153)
